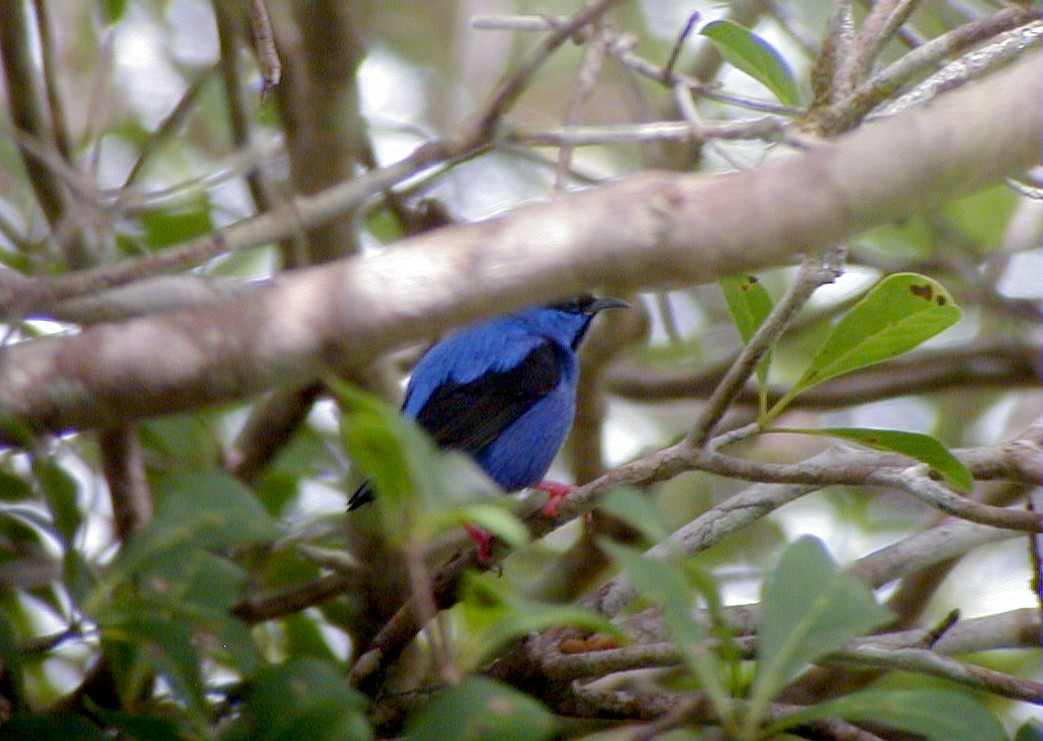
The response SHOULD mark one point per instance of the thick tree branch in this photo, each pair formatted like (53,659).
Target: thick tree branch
(647,230)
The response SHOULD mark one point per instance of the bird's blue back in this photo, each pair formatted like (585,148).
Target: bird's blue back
(503,391)
(490,346)
(520,453)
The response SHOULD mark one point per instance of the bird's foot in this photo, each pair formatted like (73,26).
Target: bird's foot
(556,492)
(483,541)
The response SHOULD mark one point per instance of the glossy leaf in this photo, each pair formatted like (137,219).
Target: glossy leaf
(899,313)
(481,709)
(923,448)
(753,55)
(948,714)
(808,609)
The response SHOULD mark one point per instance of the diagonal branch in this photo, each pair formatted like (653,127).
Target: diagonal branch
(648,230)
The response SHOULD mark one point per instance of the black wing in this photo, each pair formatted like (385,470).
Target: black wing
(469,416)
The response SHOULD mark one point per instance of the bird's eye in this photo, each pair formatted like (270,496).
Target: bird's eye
(578,305)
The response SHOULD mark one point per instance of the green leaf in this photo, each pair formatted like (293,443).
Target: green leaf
(665,585)
(481,709)
(897,314)
(25,536)
(910,239)
(495,517)
(808,609)
(391,451)
(11,665)
(186,442)
(750,303)
(140,727)
(419,490)
(14,488)
(59,490)
(923,448)
(305,698)
(303,637)
(112,10)
(983,217)
(637,510)
(14,431)
(167,645)
(753,55)
(493,614)
(169,561)
(208,509)
(52,727)
(167,226)
(1031,730)
(79,576)
(196,584)
(934,714)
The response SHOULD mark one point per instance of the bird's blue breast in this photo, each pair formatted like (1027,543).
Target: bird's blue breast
(520,454)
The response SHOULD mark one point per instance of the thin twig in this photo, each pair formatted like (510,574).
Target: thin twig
(883,21)
(586,80)
(815,271)
(18,36)
(971,66)
(765,128)
(264,42)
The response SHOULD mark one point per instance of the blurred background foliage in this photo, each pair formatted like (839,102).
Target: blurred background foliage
(159,131)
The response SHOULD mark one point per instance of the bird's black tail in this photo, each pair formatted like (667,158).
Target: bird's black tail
(362,495)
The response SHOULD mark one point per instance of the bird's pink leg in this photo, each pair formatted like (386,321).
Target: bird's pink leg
(556,491)
(483,541)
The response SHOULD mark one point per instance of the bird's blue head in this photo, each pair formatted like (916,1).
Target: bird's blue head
(568,321)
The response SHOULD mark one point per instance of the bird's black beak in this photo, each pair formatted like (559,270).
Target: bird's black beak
(606,302)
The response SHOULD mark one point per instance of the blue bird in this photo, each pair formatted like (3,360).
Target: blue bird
(504,392)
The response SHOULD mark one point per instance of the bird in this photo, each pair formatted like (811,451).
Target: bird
(503,391)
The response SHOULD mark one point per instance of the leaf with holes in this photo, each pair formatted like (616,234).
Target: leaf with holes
(898,313)
(750,303)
